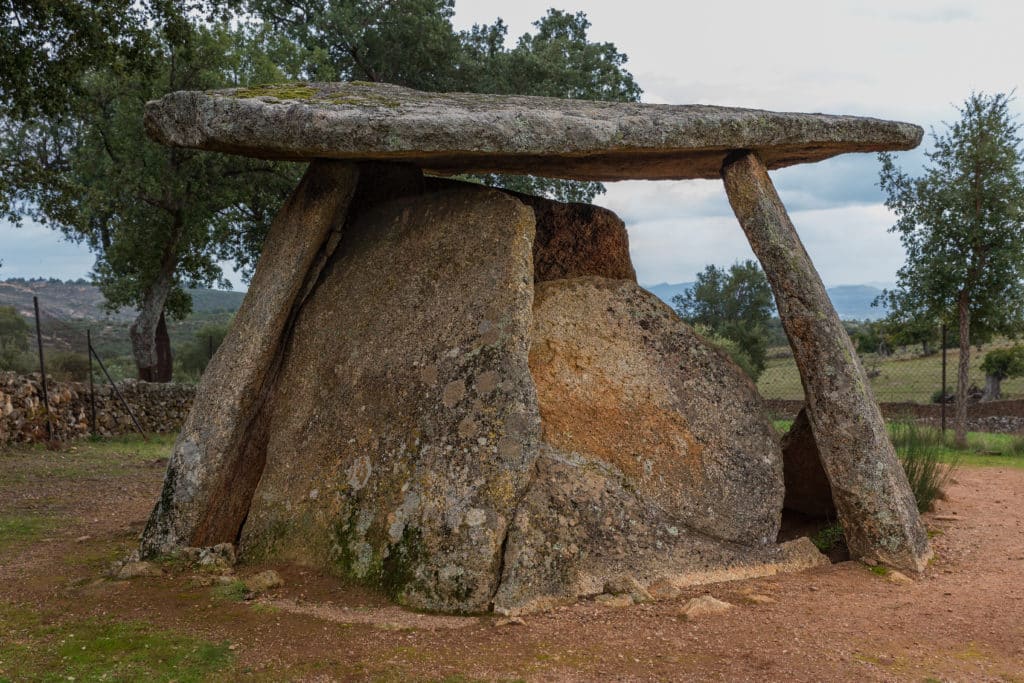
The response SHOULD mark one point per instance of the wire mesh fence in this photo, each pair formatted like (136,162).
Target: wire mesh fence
(904,376)
(65,340)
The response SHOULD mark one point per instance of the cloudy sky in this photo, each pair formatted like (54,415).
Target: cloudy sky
(907,60)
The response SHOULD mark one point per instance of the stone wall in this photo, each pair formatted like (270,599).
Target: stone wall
(986,416)
(159,408)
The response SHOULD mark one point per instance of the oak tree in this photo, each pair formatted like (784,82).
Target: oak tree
(961,223)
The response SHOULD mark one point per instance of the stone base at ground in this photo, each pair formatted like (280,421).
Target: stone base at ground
(475,407)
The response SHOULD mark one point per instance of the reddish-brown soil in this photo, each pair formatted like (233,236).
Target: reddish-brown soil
(962,621)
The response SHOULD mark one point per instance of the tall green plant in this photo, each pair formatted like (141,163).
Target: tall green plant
(919,451)
(962,225)
(158,219)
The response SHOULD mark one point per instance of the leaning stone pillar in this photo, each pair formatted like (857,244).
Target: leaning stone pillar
(872,496)
(217,460)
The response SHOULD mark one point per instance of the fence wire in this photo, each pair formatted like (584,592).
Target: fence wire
(904,376)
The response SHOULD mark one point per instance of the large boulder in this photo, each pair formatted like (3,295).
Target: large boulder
(404,426)
(622,380)
(658,461)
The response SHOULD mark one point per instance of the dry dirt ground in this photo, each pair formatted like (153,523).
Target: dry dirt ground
(65,516)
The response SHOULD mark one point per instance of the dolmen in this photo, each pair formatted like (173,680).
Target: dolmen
(460,396)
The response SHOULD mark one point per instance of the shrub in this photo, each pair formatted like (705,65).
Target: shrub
(1000,364)
(17,361)
(68,366)
(731,349)
(193,356)
(919,451)
(829,537)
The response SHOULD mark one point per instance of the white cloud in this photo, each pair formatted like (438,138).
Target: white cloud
(902,59)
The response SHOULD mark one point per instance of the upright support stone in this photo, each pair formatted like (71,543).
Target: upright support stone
(214,468)
(872,496)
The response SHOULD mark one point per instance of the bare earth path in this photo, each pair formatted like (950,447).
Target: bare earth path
(963,621)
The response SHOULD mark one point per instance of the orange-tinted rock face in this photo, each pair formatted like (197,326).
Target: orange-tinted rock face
(622,380)
(657,462)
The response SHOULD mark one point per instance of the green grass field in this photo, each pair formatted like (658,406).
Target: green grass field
(904,376)
(983,449)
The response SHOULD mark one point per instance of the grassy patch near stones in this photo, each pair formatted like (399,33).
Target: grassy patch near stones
(984,449)
(101,650)
(920,451)
(20,528)
(21,464)
(233,592)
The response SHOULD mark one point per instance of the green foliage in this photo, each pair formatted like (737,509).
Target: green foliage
(829,537)
(194,356)
(735,304)
(14,342)
(14,331)
(67,366)
(868,337)
(1004,363)
(729,348)
(962,226)
(46,47)
(920,450)
(158,219)
(961,221)
(235,591)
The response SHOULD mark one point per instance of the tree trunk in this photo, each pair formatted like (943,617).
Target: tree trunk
(143,331)
(164,358)
(993,388)
(963,371)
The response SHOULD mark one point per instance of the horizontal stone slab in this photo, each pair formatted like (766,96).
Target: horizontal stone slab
(471,133)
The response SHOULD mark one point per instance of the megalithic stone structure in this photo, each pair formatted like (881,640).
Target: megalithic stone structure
(218,457)
(870,490)
(460,395)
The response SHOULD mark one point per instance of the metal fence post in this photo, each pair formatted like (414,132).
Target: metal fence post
(42,370)
(92,388)
(942,409)
(117,392)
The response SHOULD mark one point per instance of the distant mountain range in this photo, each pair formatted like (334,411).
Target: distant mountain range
(852,302)
(83,301)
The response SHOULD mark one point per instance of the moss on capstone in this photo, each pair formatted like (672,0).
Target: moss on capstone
(360,100)
(280,91)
